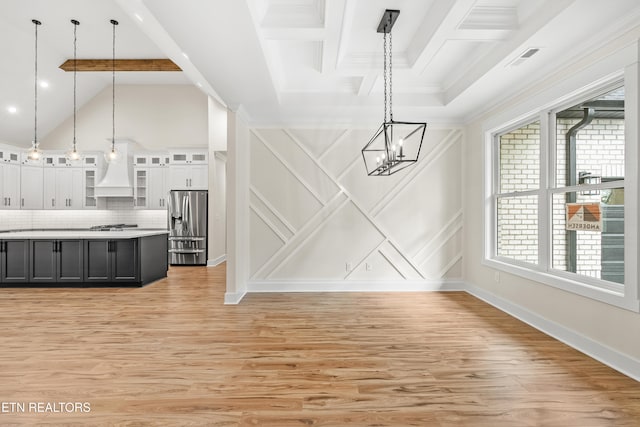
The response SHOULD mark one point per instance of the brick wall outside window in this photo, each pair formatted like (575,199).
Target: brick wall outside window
(600,150)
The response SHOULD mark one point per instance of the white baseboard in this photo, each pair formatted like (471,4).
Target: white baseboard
(216,261)
(354,286)
(604,354)
(233,298)
(610,357)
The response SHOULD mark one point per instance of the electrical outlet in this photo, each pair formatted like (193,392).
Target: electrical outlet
(496,276)
(368,267)
(347,266)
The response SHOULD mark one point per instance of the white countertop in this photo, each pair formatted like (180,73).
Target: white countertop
(127,233)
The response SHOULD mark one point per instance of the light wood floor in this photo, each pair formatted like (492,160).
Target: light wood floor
(172,354)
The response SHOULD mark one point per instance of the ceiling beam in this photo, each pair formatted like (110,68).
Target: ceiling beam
(120,65)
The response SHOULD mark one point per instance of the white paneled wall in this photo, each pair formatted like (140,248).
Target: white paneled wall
(316,216)
(28,219)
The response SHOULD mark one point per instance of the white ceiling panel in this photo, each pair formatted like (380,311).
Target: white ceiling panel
(306,61)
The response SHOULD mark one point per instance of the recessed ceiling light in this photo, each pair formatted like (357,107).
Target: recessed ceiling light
(185,55)
(44,84)
(138,17)
(11,109)
(199,84)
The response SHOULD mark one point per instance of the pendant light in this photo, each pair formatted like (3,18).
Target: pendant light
(113,156)
(73,154)
(34,152)
(395,145)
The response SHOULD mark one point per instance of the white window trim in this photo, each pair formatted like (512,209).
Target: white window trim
(623,296)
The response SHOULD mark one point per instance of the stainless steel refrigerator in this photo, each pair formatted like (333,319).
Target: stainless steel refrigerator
(187,216)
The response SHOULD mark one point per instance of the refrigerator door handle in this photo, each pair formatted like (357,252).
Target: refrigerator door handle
(186,214)
(173,215)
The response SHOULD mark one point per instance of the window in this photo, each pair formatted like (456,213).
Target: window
(517,201)
(557,206)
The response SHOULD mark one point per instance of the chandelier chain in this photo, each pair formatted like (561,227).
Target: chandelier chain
(390,73)
(385,76)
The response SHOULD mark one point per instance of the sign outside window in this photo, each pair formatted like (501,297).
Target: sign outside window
(583,216)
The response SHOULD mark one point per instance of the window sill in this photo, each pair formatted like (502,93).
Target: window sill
(587,290)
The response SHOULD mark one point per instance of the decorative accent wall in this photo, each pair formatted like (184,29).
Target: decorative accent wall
(315,215)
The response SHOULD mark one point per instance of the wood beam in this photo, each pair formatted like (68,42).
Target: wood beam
(121,65)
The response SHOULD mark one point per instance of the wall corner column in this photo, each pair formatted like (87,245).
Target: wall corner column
(237,208)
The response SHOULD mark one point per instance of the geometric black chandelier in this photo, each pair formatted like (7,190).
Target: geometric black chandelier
(395,145)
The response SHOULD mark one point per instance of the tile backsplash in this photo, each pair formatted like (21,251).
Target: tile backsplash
(35,219)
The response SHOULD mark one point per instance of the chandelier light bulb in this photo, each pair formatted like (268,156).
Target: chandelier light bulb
(113,156)
(73,154)
(34,152)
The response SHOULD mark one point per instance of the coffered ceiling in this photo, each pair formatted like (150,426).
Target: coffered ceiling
(310,62)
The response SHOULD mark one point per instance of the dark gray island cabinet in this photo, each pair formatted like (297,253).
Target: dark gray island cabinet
(52,261)
(14,261)
(103,258)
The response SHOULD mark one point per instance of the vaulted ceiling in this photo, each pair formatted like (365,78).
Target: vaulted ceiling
(307,62)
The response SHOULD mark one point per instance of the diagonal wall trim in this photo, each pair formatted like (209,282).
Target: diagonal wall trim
(422,165)
(391,263)
(371,219)
(271,208)
(301,235)
(350,166)
(404,257)
(451,263)
(331,146)
(269,224)
(290,168)
(365,258)
(440,239)
(312,231)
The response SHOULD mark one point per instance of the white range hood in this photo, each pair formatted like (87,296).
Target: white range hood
(117,181)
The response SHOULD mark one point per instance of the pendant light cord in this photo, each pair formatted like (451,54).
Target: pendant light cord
(113,86)
(75,72)
(35,88)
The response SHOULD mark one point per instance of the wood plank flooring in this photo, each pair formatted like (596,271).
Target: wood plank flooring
(172,354)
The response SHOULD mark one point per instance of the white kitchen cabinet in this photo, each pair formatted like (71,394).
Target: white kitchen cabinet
(189,177)
(151,187)
(63,188)
(158,187)
(71,184)
(9,178)
(188,157)
(151,172)
(159,160)
(9,156)
(140,187)
(10,185)
(56,160)
(90,178)
(31,191)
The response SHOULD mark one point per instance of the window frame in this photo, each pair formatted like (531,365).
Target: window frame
(620,295)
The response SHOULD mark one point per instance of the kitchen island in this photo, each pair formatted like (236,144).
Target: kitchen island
(127,257)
